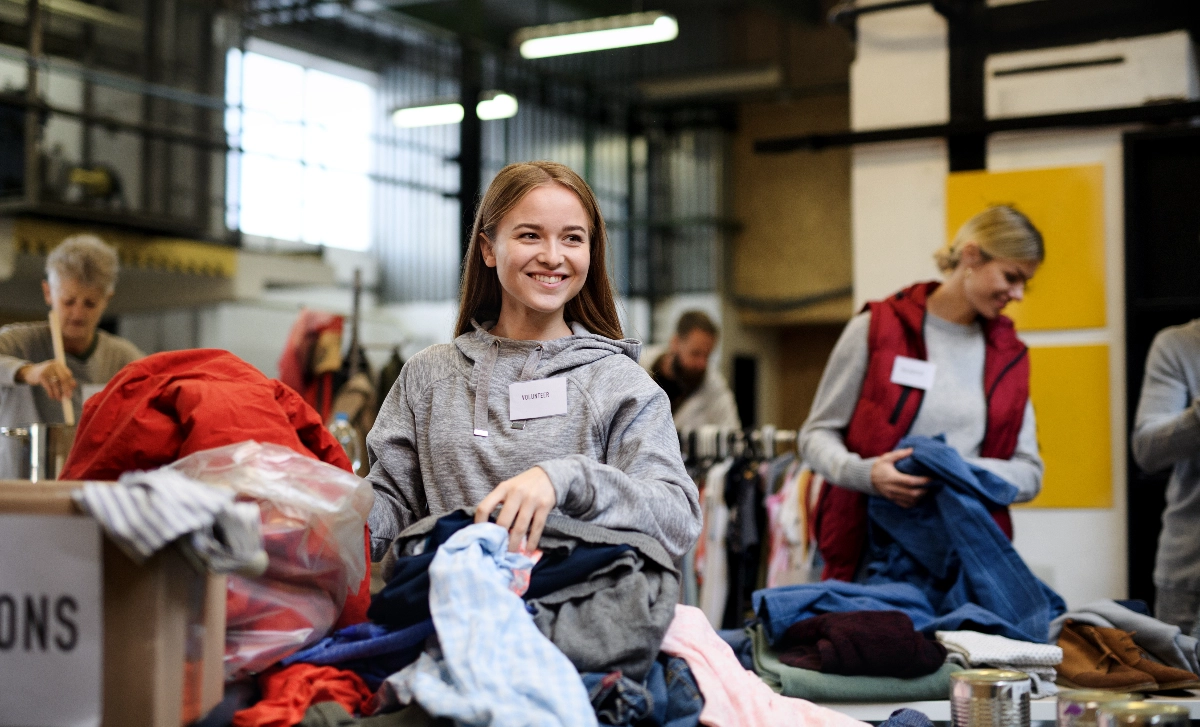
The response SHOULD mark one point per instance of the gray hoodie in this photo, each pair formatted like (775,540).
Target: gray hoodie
(613,458)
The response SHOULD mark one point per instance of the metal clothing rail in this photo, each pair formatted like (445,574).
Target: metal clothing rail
(712,443)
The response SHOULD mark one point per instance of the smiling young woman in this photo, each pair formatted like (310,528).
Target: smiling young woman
(525,194)
(539,404)
(975,386)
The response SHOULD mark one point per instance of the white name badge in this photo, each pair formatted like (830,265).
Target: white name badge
(913,372)
(536,399)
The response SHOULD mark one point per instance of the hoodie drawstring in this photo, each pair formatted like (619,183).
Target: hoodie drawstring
(531,363)
(483,383)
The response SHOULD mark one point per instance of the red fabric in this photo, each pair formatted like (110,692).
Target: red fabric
(288,693)
(169,405)
(295,367)
(355,610)
(885,412)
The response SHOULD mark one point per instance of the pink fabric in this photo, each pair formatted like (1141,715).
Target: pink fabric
(734,697)
(777,559)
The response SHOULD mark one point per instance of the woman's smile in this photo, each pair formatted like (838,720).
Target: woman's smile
(550,280)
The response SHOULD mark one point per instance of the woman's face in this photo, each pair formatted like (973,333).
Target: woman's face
(542,250)
(79,306)
(990,285)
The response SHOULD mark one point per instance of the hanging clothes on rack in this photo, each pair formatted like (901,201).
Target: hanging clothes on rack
(711,565)
(311,356)
(747,523)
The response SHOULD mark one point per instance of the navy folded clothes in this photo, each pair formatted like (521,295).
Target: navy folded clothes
(404,601)
(604,597)
(372,651)
(949,546)
(861,643)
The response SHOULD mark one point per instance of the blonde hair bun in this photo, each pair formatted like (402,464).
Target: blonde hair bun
(1001,232)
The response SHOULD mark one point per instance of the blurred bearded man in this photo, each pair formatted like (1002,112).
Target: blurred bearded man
(698,394)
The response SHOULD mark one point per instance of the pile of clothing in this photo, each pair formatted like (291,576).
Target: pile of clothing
(192,413)
(587,630)
(973,650)
(856,656)
(943,590)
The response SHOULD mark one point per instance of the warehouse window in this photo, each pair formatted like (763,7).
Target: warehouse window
(300,169)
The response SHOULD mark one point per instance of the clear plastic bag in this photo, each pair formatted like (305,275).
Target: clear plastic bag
(267,620)
(312,521)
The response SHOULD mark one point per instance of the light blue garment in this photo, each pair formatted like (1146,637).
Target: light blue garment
(495,668)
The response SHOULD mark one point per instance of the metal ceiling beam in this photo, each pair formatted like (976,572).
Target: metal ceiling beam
(1155,113)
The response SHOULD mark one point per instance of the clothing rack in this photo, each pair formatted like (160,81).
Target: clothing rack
(710,443)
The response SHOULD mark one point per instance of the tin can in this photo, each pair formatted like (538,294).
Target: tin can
(990,698)
(1139,714)
(1077,708)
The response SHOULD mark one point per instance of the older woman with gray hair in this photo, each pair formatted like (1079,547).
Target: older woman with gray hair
(81,275)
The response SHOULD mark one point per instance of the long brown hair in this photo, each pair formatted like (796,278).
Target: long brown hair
(594,307)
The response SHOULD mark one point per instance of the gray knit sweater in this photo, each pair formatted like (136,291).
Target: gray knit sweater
(954,406)
(613,458)
(1166,434)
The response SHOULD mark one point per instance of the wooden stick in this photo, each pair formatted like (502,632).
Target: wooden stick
(60,355)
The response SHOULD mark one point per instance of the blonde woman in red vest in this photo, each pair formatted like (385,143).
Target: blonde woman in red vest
(934,358)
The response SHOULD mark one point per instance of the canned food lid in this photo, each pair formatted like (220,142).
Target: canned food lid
(1137,709)
(1082,696)
(989,676)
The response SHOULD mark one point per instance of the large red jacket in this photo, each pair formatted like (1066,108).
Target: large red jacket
(886,410)
(169,405)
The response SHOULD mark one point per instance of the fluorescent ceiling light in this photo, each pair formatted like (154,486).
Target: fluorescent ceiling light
(435,115)
(584,36)
(492,106)
(496,105)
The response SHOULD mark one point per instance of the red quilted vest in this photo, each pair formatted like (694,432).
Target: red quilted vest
(886,410)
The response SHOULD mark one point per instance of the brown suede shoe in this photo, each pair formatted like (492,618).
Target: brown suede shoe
(1090,663)
(1127,650)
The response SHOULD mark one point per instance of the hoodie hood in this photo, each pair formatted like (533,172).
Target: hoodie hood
(543,359)
(555,357)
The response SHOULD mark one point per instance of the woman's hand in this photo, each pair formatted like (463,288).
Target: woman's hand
(891,483)
(55,378)
(527,498)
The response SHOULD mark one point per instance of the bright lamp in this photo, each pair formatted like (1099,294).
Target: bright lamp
(584,36)
(492,105)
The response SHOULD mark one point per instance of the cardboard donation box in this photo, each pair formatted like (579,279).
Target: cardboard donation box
(88,637)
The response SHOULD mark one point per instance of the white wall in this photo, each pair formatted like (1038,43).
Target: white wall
(900,78)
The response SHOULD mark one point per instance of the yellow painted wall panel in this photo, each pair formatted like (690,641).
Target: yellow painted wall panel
(1069,386)
(1067,205)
